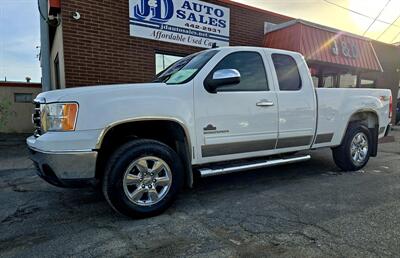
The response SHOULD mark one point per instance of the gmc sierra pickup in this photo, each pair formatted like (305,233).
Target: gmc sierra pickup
(218,111)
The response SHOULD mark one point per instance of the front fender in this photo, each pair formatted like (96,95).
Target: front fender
(104,106)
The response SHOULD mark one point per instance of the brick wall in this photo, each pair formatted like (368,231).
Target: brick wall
(99,50)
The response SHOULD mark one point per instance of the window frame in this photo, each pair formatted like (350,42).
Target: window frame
(298,71)
(213,70)
(335,80)
(374,85)
(354,76)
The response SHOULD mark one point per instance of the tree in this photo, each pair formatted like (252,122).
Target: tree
(5,112)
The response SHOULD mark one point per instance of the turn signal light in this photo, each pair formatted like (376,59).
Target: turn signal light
(70,112)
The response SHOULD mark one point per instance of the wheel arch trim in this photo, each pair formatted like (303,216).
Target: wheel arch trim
(143,119)
(359,111)
(189,154)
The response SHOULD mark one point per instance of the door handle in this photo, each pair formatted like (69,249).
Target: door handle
(265,103)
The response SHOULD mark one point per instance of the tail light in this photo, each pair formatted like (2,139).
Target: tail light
(391,107)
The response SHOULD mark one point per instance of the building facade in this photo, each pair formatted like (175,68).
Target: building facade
(16,106)
(98,48)
(389,56)
(130,41)
(340,59)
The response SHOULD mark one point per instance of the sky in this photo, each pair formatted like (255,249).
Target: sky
(19,26)
(19,37)
(328,14)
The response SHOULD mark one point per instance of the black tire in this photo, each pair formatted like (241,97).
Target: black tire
(342,154)
(113,187)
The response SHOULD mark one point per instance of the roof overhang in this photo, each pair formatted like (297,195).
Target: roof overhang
(326,45)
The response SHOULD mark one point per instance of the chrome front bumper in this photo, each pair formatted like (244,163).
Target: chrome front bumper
(65,169)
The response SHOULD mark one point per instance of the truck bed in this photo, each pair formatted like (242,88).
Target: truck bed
(336,106)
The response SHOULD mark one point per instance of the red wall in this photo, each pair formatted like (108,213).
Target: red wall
(20,84)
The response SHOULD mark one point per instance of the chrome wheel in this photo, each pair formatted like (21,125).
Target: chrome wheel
(147,180)
(359,148)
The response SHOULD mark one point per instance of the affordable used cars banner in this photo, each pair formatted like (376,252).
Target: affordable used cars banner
(187,22)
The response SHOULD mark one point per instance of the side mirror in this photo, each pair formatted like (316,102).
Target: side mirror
(222,78)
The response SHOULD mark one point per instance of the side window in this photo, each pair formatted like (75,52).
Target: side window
(251,68)
(57,72)
(23,97)
(287,72)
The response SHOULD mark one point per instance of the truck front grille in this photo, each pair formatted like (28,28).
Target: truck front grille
(36,120)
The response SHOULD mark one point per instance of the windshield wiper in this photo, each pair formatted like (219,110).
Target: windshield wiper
(163,79)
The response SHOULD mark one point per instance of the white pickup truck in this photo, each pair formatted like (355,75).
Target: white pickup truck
(217,111)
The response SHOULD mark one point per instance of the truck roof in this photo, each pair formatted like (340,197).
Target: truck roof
(259,48)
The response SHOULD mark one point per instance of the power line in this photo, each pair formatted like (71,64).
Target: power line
(388,27)
(387,3)
(394,39)
(358,13)
(41,14)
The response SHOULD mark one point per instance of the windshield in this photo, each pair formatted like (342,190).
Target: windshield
(185,69)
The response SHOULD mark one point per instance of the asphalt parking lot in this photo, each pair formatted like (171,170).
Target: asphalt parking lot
(301,210)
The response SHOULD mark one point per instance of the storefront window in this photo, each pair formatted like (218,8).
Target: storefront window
(364,83)
(315,81)
(163,61)
(398,94)
(348,81)
(330,81)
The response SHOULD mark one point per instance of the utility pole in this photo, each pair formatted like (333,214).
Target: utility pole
(44,48)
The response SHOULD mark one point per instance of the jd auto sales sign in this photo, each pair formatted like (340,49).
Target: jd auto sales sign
(187,22)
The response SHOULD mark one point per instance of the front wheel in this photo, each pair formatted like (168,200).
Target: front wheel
(142,178)
(354,152)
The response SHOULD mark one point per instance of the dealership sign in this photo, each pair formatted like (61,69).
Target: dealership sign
(187,22)
(345,49)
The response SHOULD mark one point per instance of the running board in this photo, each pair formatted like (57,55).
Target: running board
(206,172)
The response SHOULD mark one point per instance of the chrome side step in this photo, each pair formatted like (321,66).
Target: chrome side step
(206,172)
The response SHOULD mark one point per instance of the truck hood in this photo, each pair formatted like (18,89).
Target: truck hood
(74,94)
(101,106)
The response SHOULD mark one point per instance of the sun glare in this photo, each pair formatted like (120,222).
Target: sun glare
(371,8)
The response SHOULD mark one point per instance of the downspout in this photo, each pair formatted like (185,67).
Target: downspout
(44,48)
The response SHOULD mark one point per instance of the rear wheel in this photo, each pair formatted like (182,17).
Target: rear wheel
(142,178)
(354,152)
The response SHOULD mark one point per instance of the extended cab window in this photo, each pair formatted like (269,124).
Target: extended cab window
(251,68)
(287,72)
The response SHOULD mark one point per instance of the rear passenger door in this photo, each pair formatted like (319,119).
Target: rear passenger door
(238,120)
(297,102)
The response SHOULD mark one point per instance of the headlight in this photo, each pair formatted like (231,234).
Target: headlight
(59,116)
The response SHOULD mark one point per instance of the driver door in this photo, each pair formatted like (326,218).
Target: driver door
(237,120)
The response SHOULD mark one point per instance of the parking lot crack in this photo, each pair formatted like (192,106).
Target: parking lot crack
(21,213)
